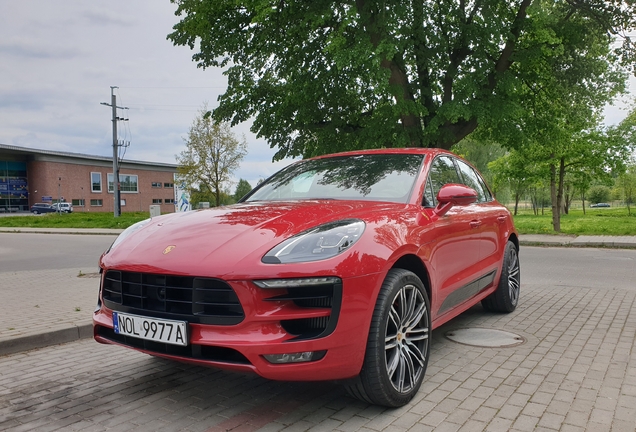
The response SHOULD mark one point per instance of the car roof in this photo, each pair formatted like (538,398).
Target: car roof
(406,150)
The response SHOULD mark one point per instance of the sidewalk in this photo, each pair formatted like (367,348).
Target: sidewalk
(32,317)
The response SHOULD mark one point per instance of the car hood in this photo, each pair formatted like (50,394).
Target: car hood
(219,241)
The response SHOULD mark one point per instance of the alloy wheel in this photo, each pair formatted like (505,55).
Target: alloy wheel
(406,340)
(514,280)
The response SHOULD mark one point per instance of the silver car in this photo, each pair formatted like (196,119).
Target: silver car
(63,207)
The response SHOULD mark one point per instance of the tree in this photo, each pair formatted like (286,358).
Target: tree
(242,188)
(627,185)
(212,154)
(203,194)
(599,193)
(515,171)
(361,74)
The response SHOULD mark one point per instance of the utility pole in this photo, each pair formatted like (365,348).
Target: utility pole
(116,187)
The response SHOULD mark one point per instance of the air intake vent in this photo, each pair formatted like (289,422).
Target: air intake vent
(194,299)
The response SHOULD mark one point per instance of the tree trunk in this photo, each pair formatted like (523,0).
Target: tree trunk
(534,202)
(560,189)
(583,201)
(516,203)
(556,214)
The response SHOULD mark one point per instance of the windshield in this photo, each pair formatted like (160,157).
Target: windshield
(373,177)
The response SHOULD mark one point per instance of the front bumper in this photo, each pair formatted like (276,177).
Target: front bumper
(274,323)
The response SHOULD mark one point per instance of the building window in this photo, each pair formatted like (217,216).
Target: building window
(156,184)
(169,201)
(96,202)
(127,183)
(96,182)
(156,200)
(77,202)
(168,185)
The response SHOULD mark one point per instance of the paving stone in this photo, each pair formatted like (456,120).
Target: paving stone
(576,372)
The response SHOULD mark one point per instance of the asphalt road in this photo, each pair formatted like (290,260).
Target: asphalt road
(26,252)
(583,267)
(579,267)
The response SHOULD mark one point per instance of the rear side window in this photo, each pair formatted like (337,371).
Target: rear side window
(442,172)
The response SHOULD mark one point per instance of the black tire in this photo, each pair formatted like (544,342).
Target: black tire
(394,366)
(36,212)
(506,296)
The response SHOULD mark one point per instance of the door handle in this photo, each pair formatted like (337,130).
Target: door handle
(475,224)
(501,219)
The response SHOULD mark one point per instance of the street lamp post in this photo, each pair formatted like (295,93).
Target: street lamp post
(59,195)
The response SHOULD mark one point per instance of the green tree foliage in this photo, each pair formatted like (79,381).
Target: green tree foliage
(212,154)
(555,109)
(242,188)
(324,75)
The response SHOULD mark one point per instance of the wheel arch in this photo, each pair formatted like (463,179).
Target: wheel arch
(414,264)
(513,238)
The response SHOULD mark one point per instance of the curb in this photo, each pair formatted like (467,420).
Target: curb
(42,340)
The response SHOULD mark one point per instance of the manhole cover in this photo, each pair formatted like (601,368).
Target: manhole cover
(482,337)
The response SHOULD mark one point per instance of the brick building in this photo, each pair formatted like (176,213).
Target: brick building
(29,176)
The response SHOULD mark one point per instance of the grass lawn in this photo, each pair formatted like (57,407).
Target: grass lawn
(73,220)
(596,221)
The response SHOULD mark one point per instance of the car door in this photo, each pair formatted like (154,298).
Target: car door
(450,244)
(489,216)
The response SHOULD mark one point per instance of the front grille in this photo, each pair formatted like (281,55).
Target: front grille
(327,296)
(197,352)
(194,299)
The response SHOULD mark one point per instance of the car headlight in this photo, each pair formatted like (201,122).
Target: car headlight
(127,232)
(319,243)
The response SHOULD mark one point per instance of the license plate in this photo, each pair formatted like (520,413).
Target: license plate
(158,330)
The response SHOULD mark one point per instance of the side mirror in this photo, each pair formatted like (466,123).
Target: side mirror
(453,195)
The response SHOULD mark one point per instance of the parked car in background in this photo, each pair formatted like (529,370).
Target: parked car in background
(63,207)
(600,205)
(38,208)
(335,268)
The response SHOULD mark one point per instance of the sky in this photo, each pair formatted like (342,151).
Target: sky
(58,60)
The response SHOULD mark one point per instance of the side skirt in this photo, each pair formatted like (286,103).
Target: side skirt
(467,291)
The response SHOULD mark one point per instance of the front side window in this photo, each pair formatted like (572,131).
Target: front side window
(471,179)
(96,182)
(442,172)
(372,177)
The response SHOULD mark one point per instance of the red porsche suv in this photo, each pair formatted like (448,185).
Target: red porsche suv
(335,268)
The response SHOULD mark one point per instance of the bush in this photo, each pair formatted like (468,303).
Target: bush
(597,194)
